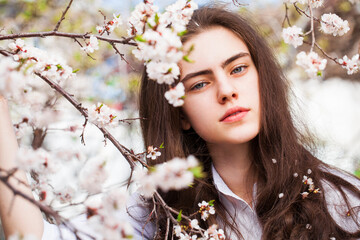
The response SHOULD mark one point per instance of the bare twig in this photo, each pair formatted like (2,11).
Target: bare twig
(122,56)
(62,16)
(4,52)
(128,120)
(286,18)
(312,29)
(82,46)
(301,12)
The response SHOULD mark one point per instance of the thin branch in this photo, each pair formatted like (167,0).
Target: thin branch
(84,112)
(312,28)
(167,228)
(4,52)
(122,56)
(126,41)
(323,52)
(286,18)
(81,47)
(301,12)
(62,16)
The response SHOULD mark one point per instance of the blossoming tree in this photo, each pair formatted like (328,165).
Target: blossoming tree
(154,37)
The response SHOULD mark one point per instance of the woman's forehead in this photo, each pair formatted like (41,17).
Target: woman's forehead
(212,47)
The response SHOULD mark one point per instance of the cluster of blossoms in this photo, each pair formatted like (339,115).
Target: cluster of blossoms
(102,216)
(153,152)
(38,61)
(351,65)
(110,26)
(39,160)
(312,63)
(45,164)
(101,115)
(175,95)
(92,45)
(172,175)
(206,208)
(158,38)
(333,24)
(93,175)
(212,233)
(311,3)
(311,187)
(292,35)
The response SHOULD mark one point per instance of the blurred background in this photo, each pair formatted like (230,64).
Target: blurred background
(329,105)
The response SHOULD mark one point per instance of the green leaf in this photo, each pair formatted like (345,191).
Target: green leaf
(162,145)
(179,216)
(156,19)
(187,59)
(140,38)
(76,70)
(197,171)
(180,34)
(319,73)
(357,173)
(211,202)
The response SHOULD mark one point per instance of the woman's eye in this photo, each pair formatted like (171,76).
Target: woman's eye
(198,86)
(238,69)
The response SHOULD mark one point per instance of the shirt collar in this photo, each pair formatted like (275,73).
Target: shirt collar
(221,186)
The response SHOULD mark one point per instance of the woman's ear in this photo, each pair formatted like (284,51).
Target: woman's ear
(185,124)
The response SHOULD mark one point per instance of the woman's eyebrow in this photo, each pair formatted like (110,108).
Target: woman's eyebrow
(233,58)
(223,65)
(194,74)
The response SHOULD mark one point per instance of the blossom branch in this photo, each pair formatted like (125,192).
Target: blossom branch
(124,151)
(126,41)
(62,16)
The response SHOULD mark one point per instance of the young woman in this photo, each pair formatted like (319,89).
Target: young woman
(237,121)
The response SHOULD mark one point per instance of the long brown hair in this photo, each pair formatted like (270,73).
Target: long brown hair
(278,138)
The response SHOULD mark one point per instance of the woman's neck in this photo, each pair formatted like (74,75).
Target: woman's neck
(234,165)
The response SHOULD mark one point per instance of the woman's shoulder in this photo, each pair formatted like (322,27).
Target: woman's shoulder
(342,203)
(139,216)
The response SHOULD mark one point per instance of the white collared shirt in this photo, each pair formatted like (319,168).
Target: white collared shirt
(243,214)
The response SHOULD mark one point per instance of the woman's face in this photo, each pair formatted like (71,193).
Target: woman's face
(222,94)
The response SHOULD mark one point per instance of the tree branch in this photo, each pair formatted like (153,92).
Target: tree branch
(124,151)
(126,41)
(62,16)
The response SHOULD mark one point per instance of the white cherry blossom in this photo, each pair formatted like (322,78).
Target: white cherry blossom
(92,45)
(17,45)
(351,65)
(205,209)
(93,175)
(175,95)
(312,63)
(291,35)
(139,17)
(102,115)
(153,152)
(163,72)
(333,24)
(174,174)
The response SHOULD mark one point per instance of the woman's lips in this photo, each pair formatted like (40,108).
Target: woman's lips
(234,114)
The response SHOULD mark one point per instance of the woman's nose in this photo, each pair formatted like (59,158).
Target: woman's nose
(226,91)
